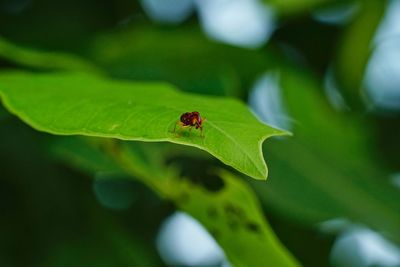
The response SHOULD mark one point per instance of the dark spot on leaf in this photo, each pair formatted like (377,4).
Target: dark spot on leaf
(233,210)
(233,225)
(212,212)
(253,227)
(229,209)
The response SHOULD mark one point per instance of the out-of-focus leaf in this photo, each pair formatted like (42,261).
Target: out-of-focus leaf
(234,217)
(327,170)
(231,214)
(68,104)
(149,53)
(182,56)
(355,49)
(42,59)
(88,160)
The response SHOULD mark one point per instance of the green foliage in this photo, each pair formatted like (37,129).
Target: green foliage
(241,221)
(120,65)
(148,53)
(316,159)
(87,105)
(235,218)
(231,213)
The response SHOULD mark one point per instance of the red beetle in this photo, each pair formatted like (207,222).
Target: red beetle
(191,119)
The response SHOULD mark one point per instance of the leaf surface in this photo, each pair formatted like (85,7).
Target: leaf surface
(70,104)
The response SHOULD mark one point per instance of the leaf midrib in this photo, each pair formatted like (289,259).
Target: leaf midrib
(237,144)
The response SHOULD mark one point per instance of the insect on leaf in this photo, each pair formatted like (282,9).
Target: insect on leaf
(81,104)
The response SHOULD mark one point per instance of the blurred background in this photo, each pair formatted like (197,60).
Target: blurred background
(328,71)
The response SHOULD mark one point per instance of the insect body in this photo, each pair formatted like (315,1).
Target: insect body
(191,119)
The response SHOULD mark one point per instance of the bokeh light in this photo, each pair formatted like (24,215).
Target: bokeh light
(266,101)
(382,77)
(245,23)
(361,247)
(183,241)
(337,14)
(168,11)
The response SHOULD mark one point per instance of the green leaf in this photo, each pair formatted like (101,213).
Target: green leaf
(234,217)
(231,214)
(68,104)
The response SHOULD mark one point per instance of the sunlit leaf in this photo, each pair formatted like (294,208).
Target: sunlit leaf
(69,104)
